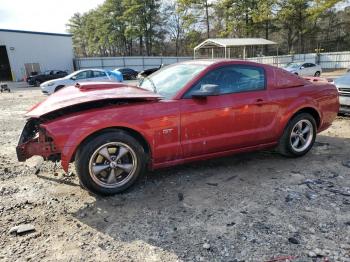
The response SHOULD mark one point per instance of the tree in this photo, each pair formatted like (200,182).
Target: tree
(299,18)
(199,12)
(175,18)
(142,18)
(154,27)
(77,27)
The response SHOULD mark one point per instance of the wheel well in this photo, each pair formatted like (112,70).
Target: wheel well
(130,131)
(58,87)
(312,112)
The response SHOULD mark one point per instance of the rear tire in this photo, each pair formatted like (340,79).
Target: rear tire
(37,83)
(318,74)
(110,163)
(298,136)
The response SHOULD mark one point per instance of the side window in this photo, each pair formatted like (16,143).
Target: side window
(83,75)
(98,74)
(311,65)
(233,79)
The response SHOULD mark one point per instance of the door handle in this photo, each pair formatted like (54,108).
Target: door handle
(260,102)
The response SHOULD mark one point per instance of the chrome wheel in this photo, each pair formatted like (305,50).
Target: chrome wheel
(112,164)
(302,135)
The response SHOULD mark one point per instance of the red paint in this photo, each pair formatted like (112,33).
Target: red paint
(181,130)
(88,92)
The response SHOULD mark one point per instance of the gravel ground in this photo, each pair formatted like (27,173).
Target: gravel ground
(250,207)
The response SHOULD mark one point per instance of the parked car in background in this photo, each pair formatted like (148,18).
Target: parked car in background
(128,73)
(343,85)
(193,110)
(304,69)
(81,76)
(147,72)
(36,80)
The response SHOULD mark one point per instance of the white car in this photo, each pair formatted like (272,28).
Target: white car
(85,75)
(304,69)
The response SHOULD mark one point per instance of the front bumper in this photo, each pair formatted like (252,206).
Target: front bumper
(31,81)
(34,141)
(344,102)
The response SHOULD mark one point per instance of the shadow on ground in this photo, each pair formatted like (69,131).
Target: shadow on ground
(237,205)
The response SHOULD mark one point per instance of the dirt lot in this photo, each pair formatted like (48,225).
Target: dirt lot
(251,207)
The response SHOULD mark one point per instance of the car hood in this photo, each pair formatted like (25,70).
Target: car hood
(54,81)
(343,81)
(89,93)
(290,69)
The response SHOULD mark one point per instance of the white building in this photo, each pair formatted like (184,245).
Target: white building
(24,52)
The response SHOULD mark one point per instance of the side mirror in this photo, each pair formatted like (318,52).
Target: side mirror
(73,78)
(302,67)
(206,90)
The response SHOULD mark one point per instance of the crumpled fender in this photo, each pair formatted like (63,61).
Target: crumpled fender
(68,133)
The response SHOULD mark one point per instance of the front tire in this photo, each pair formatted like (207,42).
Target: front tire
(298,136)
(110,163)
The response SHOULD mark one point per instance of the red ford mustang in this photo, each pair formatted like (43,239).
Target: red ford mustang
(188,111)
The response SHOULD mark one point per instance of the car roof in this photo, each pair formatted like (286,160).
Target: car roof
(123,68)
(211,62)
(88,69)
(302,62)
(205,61)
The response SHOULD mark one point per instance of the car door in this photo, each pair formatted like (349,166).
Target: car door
(312,69)
(83,76)
(46,76)
(99,76)
(53,74)
(304,70)
(230,120)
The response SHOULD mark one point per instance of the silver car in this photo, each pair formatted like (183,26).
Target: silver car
(304,69)
(343,85)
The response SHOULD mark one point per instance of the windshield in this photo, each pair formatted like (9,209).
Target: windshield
(72,74)
(293,65)
(169,80)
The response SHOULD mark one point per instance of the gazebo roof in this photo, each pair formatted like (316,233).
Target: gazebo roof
(231,42)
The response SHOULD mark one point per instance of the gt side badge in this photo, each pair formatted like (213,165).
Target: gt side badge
(167,131)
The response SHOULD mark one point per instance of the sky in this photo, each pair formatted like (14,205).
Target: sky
(50,15)
(41,15)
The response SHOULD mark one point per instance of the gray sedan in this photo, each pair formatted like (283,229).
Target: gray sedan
(343,85)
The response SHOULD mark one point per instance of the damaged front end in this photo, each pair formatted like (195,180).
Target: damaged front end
(35,141)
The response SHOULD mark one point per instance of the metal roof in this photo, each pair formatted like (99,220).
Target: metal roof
(230,42)
(33,32)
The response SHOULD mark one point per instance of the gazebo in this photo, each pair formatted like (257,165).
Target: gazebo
(228,43)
